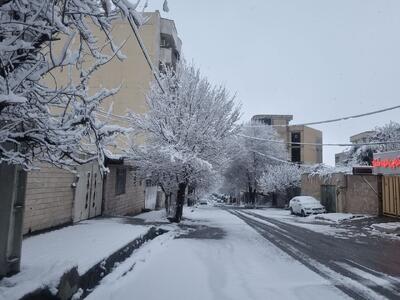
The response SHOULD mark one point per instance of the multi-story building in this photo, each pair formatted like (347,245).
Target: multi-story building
(304,152)
(55,197)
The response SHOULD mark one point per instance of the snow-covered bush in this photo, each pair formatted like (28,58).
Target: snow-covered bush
(278,178)
(363,155)
(325,171)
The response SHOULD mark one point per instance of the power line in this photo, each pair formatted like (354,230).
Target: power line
(273,157)
(319,144)
(144,50)
(337,119)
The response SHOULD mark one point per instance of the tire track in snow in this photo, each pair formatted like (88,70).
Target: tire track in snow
(324,264)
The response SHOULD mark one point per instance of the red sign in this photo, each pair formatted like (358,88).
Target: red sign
(386,163)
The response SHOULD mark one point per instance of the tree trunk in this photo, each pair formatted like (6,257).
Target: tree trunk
(167,197)
(252,196)
(180,200)
(191,196)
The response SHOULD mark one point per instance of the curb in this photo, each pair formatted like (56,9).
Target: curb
(71,283)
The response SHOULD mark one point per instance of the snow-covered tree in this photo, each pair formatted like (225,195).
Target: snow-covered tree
(41,118)
(280,177)
(185,131)
(363,155)
(253,155)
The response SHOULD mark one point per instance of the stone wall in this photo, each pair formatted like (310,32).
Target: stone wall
(131,202)
(49,198)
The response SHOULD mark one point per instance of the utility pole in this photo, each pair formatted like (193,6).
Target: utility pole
(12,198)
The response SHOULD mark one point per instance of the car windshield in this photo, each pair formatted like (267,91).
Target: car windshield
(308,201)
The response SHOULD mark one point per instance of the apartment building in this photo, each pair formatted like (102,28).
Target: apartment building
(292,134)
(57,197)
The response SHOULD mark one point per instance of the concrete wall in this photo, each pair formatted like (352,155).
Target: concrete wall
(311,186)
(312,154)
(362,197)
(131,202)
(353,193)
(49,198)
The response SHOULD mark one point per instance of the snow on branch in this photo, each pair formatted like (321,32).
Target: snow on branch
(40,118)
(186,130)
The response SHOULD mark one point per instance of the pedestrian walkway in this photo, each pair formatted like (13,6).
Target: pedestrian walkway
(46,257)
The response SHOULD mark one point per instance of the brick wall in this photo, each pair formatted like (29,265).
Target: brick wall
(49,198)
(131,202)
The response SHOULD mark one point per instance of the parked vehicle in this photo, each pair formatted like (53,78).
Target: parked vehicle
(306,205)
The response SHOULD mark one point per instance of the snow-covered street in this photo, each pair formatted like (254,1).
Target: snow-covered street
(215,253)
(199,150)
(217,256)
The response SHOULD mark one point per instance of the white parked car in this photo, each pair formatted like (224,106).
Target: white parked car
(306,205)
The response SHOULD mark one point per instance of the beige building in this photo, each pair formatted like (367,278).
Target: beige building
(291,134)
(56,197)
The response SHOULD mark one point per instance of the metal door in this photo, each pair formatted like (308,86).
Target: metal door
(88,193)
(150,197)
(391,195)
(328,197)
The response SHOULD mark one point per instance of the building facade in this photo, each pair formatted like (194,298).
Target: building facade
(56,197)
(304,152)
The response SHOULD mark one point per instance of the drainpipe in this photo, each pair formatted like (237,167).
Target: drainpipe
(12,191)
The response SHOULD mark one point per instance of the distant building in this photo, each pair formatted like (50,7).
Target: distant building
(362,137)
(291,134)
(359,138)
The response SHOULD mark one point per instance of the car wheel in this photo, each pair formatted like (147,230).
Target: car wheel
(303,214)
(291,211)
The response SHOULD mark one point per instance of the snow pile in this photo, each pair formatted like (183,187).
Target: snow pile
(392,227)
(46,257)
(335,217)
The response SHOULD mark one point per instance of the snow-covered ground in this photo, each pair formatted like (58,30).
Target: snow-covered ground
(336,217)
(47,256)
(391,227)
(153,216)
(239,264)
(323,226)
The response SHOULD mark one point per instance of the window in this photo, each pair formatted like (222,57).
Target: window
(165,41)
(296,148)
(120,183)
(266,121)
(296,154)
(296,137)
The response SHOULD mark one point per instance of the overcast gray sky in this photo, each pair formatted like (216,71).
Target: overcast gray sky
(315,59)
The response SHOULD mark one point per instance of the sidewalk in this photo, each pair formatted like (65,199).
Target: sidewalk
(46,257)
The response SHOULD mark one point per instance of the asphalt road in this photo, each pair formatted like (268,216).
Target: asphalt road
(364,267)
